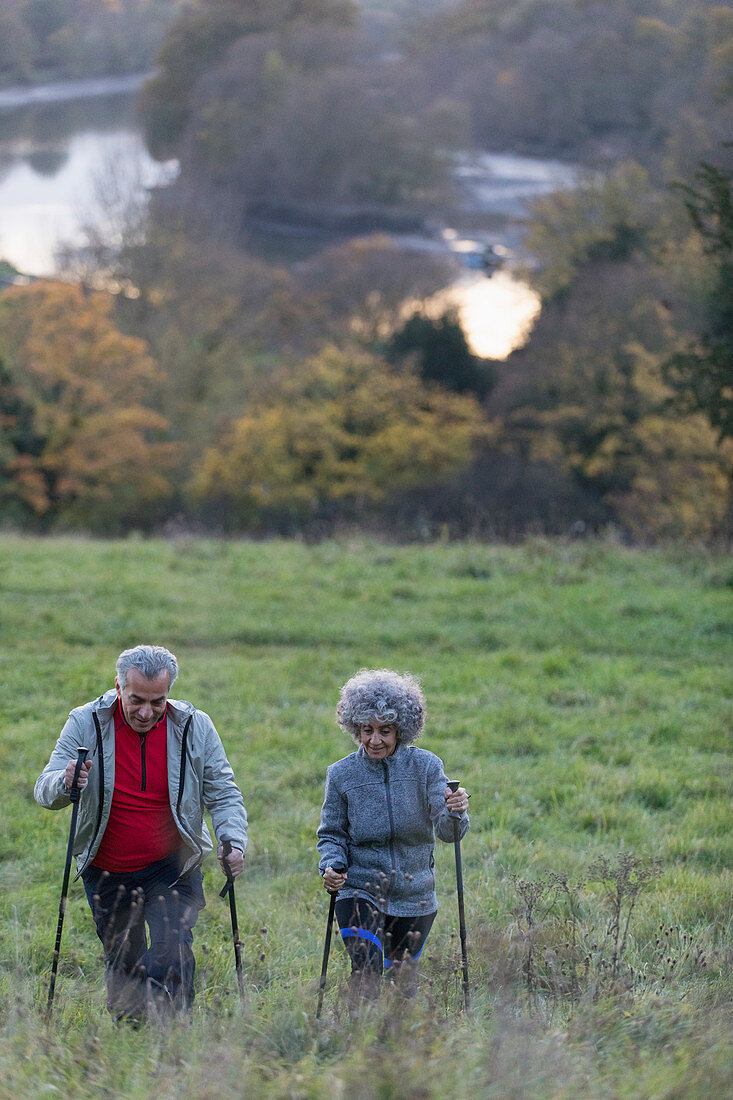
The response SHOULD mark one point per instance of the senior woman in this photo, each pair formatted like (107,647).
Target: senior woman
(383,807)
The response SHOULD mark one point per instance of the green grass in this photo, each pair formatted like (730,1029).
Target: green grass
(581,692)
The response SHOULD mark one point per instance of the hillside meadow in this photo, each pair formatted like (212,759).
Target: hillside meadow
(580,691)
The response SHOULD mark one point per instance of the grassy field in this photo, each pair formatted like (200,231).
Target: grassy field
(581,692)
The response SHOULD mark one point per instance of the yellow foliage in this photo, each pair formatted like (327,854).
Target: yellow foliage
(341,426)
(679,481)
(663,474)
(78,438)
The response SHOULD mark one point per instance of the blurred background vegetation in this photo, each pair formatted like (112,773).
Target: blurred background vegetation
(44,40)
(182,378)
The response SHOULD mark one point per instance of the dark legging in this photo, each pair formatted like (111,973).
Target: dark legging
(378,941)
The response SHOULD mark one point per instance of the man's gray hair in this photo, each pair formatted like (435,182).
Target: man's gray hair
(151,660)
(383,696)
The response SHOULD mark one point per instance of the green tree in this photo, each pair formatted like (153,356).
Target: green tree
(442,354)
(295,127)
(702,375)
(604,218)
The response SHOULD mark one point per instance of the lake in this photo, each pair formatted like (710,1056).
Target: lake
(72,157)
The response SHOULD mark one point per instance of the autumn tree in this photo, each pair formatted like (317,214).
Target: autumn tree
(612,218)
(359,289)
(342,430)
(659,475)
(216,321)
(588,394)
(702,374)
(80,443)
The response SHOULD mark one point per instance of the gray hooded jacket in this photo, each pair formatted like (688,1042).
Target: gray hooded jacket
(380,819)
(199,776)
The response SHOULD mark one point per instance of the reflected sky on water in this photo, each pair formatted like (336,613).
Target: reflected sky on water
(496,314)
(63,166)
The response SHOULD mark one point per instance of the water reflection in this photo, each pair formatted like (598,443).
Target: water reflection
(504,183)
(47,162)
(30,125)
(496,314)
(55,164)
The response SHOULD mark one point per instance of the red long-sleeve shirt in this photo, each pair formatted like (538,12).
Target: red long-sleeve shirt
(141,828)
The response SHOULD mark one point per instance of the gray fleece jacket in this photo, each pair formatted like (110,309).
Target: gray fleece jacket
(199,777)
(379,819)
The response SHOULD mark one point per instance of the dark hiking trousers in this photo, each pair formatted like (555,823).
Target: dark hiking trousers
(145,921)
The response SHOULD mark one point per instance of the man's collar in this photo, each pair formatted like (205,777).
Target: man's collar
(121,720)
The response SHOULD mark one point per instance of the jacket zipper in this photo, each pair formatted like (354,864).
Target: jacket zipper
(182,767)
(100,765)
(388,794)
(143,770)
(100,803)
(182,773)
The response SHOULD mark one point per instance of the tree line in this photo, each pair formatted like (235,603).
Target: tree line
(220,388)
(649,79)
(50,40)
(288,107)
(626,385)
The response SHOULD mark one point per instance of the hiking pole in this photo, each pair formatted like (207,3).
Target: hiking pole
(229,889)
(74,795)
(454,785)
(338,868)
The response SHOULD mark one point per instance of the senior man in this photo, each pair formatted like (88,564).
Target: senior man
(154,765)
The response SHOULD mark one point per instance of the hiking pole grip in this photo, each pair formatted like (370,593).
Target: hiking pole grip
(226,852)
(226,845)
(74,795)
(81,754)
(454,784)
(339,869)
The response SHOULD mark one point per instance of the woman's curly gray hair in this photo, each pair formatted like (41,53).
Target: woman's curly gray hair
(383,696)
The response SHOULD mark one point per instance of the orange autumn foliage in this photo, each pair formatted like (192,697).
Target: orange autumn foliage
(79,440)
